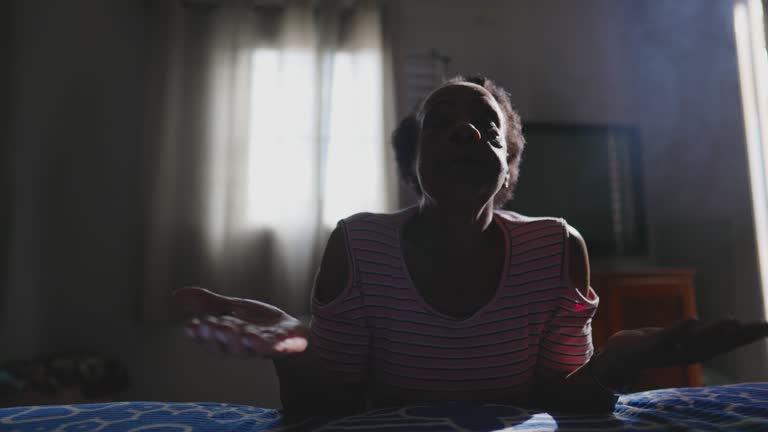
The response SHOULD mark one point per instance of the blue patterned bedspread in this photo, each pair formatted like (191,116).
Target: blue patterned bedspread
(741,407)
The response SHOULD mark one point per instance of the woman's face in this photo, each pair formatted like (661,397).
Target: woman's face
(462,152)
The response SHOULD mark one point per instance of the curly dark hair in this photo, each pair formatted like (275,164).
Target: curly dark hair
(405,138)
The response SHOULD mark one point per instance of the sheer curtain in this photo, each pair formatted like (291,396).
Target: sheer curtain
(268,124)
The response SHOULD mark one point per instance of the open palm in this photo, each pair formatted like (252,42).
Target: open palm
(241,327)
(686,342)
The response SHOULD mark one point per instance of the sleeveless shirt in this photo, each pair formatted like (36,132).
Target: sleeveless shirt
(381,332)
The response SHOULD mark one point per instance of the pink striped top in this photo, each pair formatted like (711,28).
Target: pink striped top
(382,332)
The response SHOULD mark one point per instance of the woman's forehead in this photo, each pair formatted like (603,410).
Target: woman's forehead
(459,94)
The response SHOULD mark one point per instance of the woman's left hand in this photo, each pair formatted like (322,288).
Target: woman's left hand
(628,352)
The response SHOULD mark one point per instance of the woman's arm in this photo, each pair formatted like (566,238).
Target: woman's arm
(306,388)
(626,353)
(577,391)
(244,327)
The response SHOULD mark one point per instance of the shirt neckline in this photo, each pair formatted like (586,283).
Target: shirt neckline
(409,213)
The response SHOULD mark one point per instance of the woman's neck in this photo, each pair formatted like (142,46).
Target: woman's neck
(454,226)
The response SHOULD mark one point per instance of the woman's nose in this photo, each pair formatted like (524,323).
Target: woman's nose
(465,133)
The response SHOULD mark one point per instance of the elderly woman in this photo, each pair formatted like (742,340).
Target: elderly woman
(453,299)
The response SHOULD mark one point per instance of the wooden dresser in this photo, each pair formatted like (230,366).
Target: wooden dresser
(647,298)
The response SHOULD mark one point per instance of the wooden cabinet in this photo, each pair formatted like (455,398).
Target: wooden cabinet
(648,298)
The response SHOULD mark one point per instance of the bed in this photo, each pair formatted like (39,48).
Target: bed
(739,407)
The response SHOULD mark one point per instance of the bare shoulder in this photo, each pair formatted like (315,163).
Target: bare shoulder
(333,275)
(579,260)
(575,238)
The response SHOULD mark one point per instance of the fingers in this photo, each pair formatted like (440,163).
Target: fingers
(749,332)
(217,335)
(257,340)
(685,342)
(244,327)
(294,344)
(200,331)
(692,341)
(227,332)
(726,335)
(232,336)
(192,328)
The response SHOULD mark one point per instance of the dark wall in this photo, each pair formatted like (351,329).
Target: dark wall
(76,247)
(6,168)
(76,144)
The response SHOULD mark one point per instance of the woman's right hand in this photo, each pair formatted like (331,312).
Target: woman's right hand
(241,327)
(628,352)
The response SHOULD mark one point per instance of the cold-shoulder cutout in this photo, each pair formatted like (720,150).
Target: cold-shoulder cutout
(333,276)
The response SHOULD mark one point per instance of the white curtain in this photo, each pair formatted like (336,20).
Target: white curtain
(269,123)
(750,35)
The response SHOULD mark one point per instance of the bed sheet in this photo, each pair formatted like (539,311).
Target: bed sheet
(739,407)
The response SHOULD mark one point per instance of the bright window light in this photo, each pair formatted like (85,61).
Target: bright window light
(282,143)
(298,150)
(355,169)
(753,73)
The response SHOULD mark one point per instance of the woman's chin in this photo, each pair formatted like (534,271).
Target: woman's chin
(462,195)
